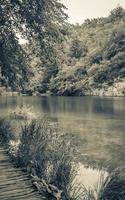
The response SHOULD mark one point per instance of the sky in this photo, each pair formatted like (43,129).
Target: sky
(79,10)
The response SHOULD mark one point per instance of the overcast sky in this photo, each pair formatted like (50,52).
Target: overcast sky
(79,10)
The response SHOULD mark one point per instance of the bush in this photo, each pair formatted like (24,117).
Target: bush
(122,73)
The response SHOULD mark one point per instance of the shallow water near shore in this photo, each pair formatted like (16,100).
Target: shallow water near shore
(96,123)
(90,178)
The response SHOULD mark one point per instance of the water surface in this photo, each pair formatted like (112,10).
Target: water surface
(98,124)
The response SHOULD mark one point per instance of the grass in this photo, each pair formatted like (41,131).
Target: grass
(47,154)
(114,186)
(22,113)
(6,132)
(80,192)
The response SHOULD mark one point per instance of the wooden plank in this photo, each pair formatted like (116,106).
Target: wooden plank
(14,184)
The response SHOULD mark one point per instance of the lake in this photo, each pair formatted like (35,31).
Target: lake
(98,124)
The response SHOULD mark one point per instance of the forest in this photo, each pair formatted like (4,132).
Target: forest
(59,58)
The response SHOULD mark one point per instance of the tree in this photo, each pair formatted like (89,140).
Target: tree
(117,14)
(78,49)
(115,45)
(39,20)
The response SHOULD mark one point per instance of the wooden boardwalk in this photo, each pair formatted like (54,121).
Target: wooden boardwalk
(14,184)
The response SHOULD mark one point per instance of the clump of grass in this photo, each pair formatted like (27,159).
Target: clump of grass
(22,113)
(47,153)
(114,186)
(6,132)
(62,161)
(34,138)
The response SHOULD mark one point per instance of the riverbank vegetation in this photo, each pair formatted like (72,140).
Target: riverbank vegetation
(59,58)
(48,156)
(6,132)
(93,58)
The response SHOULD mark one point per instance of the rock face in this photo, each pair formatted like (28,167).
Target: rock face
(114,188)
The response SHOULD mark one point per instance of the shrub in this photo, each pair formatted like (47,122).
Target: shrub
(122,73)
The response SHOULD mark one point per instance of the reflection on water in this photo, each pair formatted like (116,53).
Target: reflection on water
(98,123)
(86,176)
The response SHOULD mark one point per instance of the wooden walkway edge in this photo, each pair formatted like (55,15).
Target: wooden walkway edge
(14,184)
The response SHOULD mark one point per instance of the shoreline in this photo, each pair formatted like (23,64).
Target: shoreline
(12,94)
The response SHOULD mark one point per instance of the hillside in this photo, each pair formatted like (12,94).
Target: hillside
(87,59)
(93,58)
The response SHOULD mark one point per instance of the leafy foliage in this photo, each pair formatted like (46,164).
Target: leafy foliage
(60,58)
(32,20)
(93,56)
